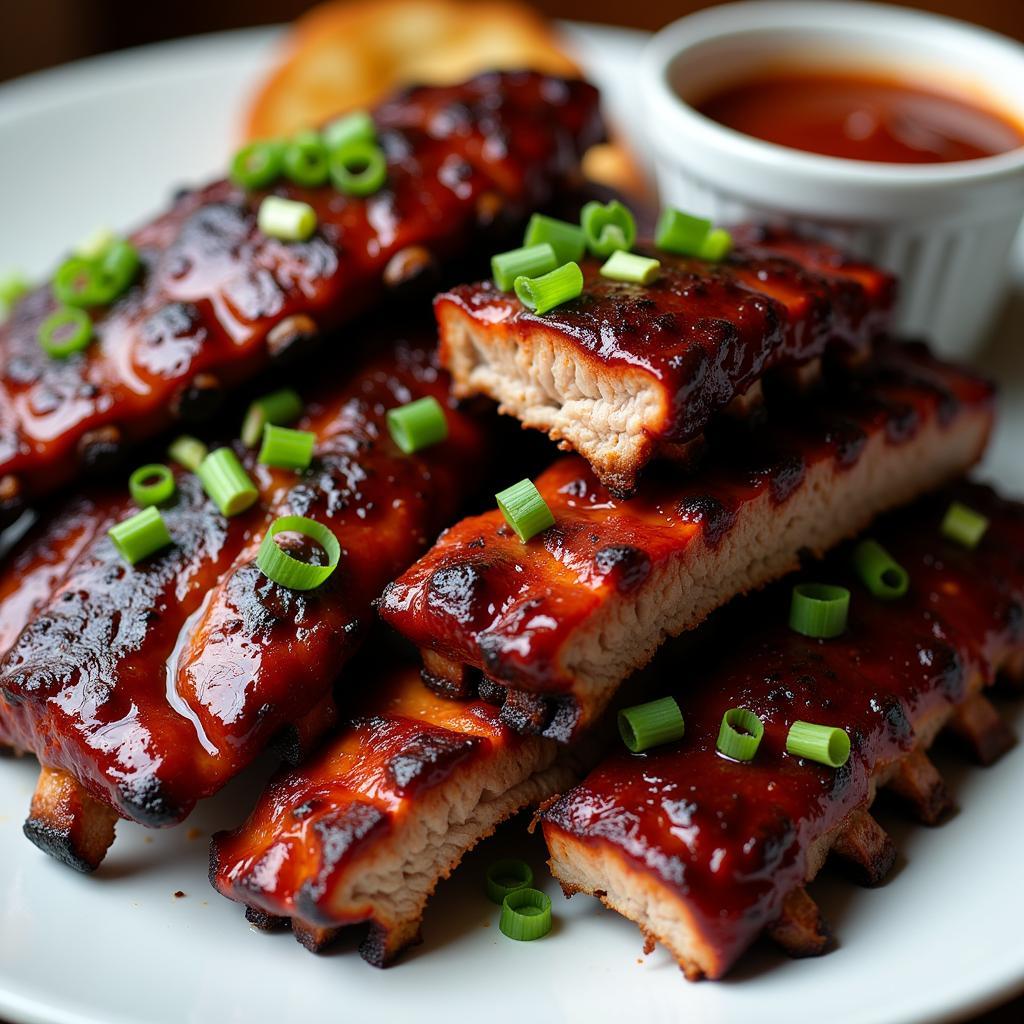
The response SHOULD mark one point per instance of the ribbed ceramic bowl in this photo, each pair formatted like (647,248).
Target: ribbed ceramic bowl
(945,229)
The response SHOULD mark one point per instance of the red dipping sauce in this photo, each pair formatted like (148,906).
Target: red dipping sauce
(862,117)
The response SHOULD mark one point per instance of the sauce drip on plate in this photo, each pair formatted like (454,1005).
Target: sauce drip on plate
(862,117)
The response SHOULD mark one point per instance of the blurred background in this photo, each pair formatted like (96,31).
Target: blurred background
(41,33)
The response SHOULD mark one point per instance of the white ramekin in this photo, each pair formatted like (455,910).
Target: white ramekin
(945,229)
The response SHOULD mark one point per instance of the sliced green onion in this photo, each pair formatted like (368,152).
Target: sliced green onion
(226,482)
(286,448)
(681,233)
(12,287)
(96,244)
(529,261)
(542,294)
(97,281)
(649,725)
(822,743)
(525,915)
(568,240)
(505,876)
(356,127)
(879,572)
(740,734)
(358,169)
(963,525)
(524,509)
(607,227)
(151,485)
(65,332)
(627,266)
(305,160)
(819,610)
(286,219)
(417,425)
(78,282)
(188,452)
(279,407)
(290,572)
(140,535)
(258,164)
(716,246)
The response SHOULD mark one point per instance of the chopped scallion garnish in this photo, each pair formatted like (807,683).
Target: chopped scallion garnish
(542,294)
(140,535)
(740,734)
(525,915)
(627,266)
(286,219)
(964,526)
(568,240)
(290,572)
(358,169)
(188,452)
(505,876)
(258,164)
(529,261)
(279,407)
(97,281)
(524,509)
(716,246)
(65,332)
(12,287)
(822,743)
(286,448)
(151,485)
(355,127)
(95,245)
(226,482)
(608,227)
(305,160)
(649,725)
(417,425)
(819,610)
(681,233)
(884,577)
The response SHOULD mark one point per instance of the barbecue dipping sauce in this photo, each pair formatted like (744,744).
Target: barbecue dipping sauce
(861,117)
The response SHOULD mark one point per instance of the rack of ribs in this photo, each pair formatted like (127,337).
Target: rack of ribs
(144,689)
(705,853)
(627,372)
(217,301)
(552,627)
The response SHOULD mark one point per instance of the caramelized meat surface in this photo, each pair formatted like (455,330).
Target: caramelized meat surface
(628,370)
(704,852)
(153,685)
(217,300)
(366,828)
(562,620)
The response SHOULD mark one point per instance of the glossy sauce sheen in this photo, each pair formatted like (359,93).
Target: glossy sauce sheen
(213,287)
(729,839)
(315,824)
(707,331)
(154,684)
(862,117)
(482,598)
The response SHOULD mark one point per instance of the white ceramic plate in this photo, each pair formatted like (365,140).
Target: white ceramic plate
(103,142)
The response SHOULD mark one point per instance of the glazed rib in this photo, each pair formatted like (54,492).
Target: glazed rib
(629,371)
(552,627)
(152,686)
(366,829)
(704,853)
(218,301)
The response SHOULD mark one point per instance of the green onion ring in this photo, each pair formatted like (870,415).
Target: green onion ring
(65,332)
(258,164)
(290,572)
(417,425)
(525,509)
(964,526)
(358,169)
(740,734)
(525,915)
(305,160)
(825,744)
(151,485)
(884,577)
(650,725)
(140,536)
(505,876)
(568,240)
(819,610)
